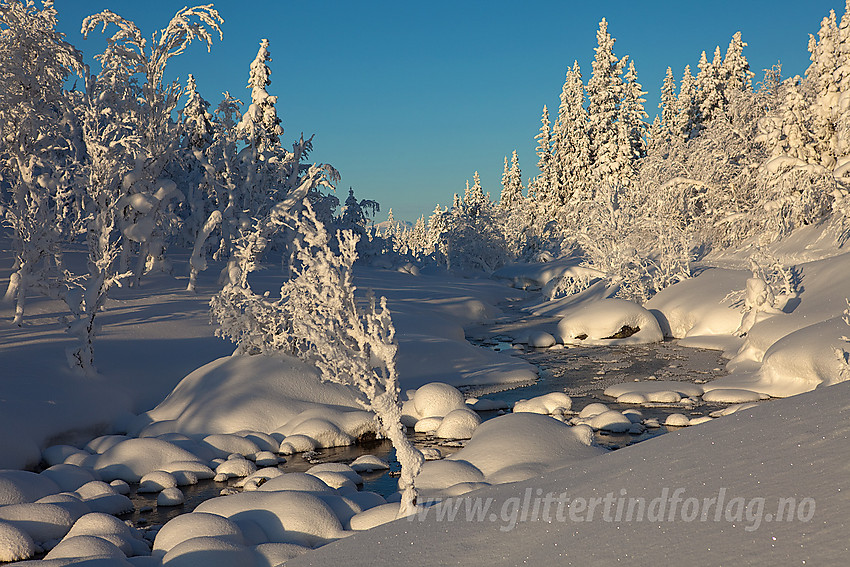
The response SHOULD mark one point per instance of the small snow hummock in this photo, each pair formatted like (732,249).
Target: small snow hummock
(458,424)
(732,396)
(546,404)
(612,421)
(156,481)
(15,543)
(369,463)
(437,400)
(654,389)
(609,322)
(677,420)
(170,497)
(541,339)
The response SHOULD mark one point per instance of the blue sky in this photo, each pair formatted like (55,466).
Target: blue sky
(408,99)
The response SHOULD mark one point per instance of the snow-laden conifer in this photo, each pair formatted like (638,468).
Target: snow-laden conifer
(604,91)
(572,142)
(260,125)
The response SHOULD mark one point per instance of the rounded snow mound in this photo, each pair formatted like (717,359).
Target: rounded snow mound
(458,424)
(285,516)
(546,404)
(43,522)
(85,546)
(651,389)
(15,543)
(170,497)
(324,427)
(537,442)
(295,481)
(21,487)
(612,421)
(374,517)
(256,393)
(437,400)
(677,420)
(196,524)
(609,322)
(731,396)
(131,459)
(216,552)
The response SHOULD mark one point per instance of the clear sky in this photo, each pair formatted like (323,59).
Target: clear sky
(407,99)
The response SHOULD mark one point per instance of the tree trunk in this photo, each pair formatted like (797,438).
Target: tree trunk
(409,457)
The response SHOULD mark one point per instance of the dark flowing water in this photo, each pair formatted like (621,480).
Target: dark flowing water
(583,373)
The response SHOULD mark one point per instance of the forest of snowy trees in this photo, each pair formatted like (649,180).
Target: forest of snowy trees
(726,162)
(128,168)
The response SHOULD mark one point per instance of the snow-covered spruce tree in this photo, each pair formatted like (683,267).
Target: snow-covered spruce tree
(826,59)
(669,103)
(736,67)
(266,172)
(354,218)
(39,148)
(318,318)
(631,126)
(435,243)
(511,184)
(543,185)
(260,125)
(604,91)
(711,87)
(687,121)
(572,143)
(197,120)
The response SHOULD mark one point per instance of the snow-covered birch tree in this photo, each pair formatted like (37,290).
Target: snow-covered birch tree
(319,319)
(39,147)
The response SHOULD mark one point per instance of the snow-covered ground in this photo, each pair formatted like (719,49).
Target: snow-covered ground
(722,486)
(170,407)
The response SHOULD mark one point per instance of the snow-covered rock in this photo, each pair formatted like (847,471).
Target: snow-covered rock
(195,524)
(156,481)
(285,516)
(458,424)
(731,396)
(170,497)
(546,404)
(612,421)
(437,400)
(131,459)
(653,388)
(609,322)
(43,522)
(15,543)
(677,420)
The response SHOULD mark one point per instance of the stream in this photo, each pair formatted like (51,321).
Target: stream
(583,373)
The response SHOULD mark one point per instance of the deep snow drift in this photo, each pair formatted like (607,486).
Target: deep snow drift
(788,449)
